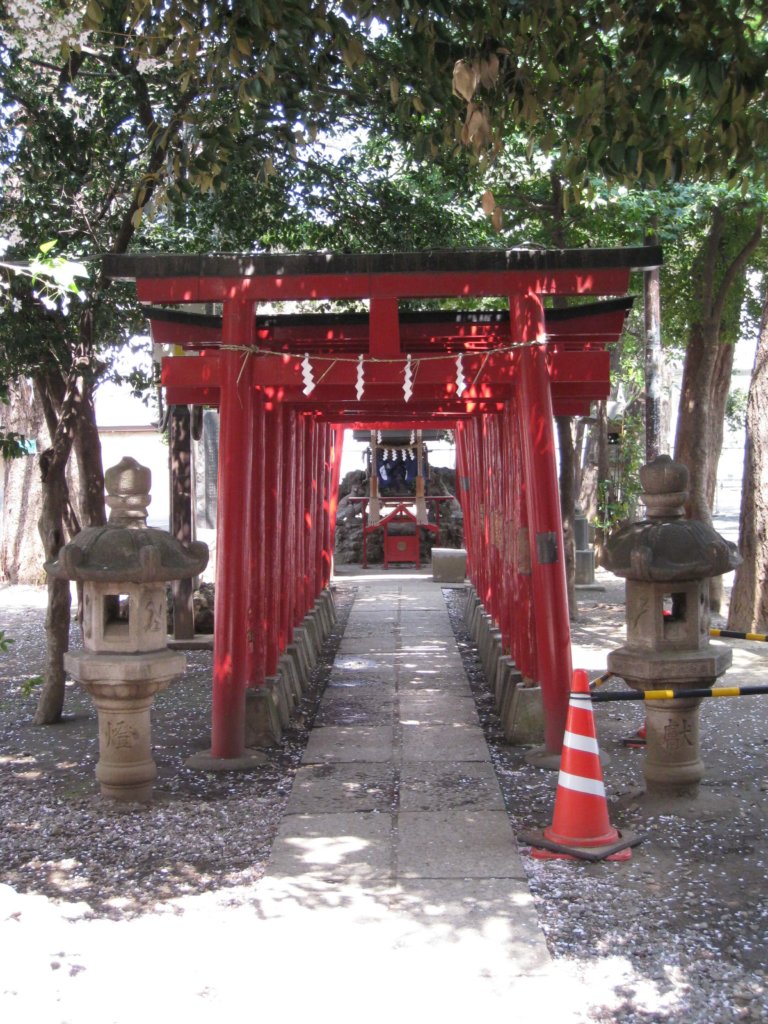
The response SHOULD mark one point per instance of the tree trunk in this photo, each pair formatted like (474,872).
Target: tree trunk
(603,474)
(55,511)
(21,559)
(182,485)
(704,391)
(748,611)
(87,445)
(721,383)
(55,495)
(653,363)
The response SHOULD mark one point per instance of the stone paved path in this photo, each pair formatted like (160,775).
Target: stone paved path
(395,877)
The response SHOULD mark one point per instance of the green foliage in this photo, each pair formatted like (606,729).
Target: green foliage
(736,409)
(5,642)
(617,496)
(30,686)
(13,445)
(646,93)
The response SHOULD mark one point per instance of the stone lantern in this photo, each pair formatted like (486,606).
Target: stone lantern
(124,567)
(667,561)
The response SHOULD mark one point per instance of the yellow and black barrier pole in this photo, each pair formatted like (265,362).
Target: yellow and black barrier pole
(732,634)
(714,691)
(594,683)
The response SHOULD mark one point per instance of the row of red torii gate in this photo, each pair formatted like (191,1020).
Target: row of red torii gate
(287,386)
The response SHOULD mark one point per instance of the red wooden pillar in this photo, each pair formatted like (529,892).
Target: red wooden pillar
(506,470)
(475,548)
(273,453)
(522,624)
(528,610)
(318,429)
(463,492)
(298,578)
(338,446)
(230,645)
(309,525)
(321,549)
(553,637)
(482,518)
(327,554)
(492,474)
(299,610)
(288,590)
(256,548)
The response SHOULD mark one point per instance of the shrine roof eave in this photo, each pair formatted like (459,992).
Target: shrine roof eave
(131,267)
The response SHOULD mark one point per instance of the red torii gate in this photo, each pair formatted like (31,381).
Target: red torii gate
(496,378)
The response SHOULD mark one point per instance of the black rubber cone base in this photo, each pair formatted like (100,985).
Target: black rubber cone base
(591,853)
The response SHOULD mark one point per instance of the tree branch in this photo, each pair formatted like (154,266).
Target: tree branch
(736,266)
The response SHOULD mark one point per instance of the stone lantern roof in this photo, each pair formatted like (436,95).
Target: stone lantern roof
(667,547)
(126,549)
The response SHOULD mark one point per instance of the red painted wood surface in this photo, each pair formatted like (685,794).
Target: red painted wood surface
(448,284)
(548,582)
(230,658)
(280,449)
(256,539)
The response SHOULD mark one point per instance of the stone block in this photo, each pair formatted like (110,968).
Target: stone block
(449,565)
(523,722)
(313,626)
(297,656)
(286,667)
(585,567)
(507,677)
(490,652)
(304,646)
(262,718)
(283,698)
(470,604)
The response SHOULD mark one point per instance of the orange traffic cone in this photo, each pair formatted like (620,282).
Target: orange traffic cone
(580,827)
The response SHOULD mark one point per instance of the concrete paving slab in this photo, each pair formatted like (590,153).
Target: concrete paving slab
(340,845)
(437,707)
(457,843)
(349,681)
(369,630)
(442,674)
(375,668)
(347,707)
(345,787)
(455,742)
(446,785)
(490,922)
(349,743)
(368,647)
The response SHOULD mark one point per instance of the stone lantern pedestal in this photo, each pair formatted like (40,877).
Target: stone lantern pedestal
(667,561)
(125,662)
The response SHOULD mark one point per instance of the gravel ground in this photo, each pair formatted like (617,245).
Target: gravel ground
(678,933)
